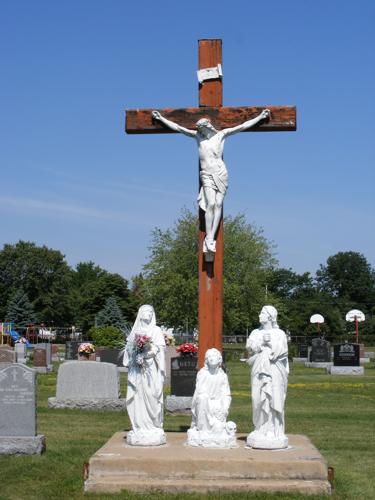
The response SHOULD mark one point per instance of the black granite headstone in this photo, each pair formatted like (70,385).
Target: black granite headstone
(346,355)
(71,351)
(111,356)
(320,351)
(183,375)
(302,350)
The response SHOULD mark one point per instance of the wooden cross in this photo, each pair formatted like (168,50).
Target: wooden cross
(140,121)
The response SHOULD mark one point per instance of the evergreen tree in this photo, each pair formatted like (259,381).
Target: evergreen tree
(20,311)
(111,315)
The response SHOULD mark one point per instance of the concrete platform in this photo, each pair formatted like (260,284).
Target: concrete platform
(346,370)
(22,445)
(177,468)
(88,404)
(318,364)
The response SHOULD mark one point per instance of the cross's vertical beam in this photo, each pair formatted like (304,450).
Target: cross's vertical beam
(210,307)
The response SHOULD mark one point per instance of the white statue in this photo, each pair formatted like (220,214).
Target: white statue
(269,380)
(144,356)
(210,406)
(213,172)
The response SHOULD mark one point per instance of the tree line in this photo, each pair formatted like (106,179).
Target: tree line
(38,285)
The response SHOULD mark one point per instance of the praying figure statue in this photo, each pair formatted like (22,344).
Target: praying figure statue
(144,356)
(213,172)
(210,406)
(268,349)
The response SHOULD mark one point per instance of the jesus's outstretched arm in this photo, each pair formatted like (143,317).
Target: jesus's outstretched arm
(266,113)
(172,125)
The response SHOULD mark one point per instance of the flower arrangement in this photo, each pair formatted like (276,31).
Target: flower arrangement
(142,342)
(86,349)
(187,349)
(169,339)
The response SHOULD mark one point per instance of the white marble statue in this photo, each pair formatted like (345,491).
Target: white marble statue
(213,172)
(268,349)
(144,356)
(210,406)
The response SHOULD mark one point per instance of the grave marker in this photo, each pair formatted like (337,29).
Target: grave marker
(18,411)
(87,386)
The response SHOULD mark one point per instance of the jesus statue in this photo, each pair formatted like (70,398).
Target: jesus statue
(213,172)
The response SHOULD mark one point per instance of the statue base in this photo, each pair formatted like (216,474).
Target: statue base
(155,437)
(260,441)
(222,439)
(176,468)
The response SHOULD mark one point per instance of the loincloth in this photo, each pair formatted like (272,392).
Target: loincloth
(217,181)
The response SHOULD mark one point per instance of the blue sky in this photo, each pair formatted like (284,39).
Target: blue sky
(73,180)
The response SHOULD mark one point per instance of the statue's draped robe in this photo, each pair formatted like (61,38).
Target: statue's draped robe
(212,393)
(269,380)
(144,397)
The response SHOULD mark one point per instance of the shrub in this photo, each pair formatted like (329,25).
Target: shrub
(107,336)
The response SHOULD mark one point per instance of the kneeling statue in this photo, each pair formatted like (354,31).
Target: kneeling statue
(210,406)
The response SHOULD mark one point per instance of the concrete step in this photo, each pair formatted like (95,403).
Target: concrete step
(115,484)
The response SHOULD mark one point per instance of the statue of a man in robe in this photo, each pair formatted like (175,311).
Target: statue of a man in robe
(213,172)
(268,348)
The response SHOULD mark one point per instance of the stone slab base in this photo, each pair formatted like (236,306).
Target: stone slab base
(43,369)
(316,364)
(22,445)
(346,370)
(88,404)
(178,405)
(299,360)
(175,468)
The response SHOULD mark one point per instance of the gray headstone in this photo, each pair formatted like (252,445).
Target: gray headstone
(20,352)
(87,380)
(17,401)
(7,356)
(71,349)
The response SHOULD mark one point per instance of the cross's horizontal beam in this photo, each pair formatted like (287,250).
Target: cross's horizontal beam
(283,118)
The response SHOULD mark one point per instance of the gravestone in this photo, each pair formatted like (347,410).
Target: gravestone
(346,359)
(20,352)
(7,356)
(170,352)
(87,386)
(346,355)
(48,348)
(319,354)
(320,351)
(303,350)
(183,375)
(40,360)
(183,378)
(18,411)
(71,349)
(113,356)
(55,352)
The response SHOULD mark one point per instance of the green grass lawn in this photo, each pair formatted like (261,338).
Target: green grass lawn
(337,413)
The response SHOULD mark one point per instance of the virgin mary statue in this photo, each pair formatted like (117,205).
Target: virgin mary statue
(145,358)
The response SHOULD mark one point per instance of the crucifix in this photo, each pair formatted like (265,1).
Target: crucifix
(210,123)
